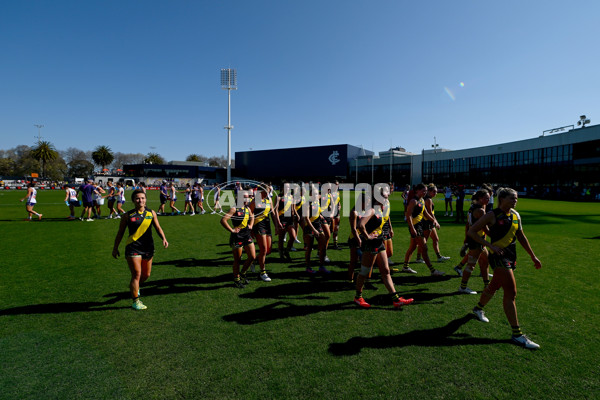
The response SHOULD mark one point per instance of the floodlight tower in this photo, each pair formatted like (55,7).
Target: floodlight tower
(229,83)
(39,126)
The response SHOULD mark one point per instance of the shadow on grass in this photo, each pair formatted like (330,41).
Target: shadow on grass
(595,237)
(197,262)
(151,288)
(443,336)
(58,308)
(179,285)
(282,310)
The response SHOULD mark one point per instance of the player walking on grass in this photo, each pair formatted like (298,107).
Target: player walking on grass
(240,239)
(477,251)
(139,249)
(312,227)
(504,224)
(31,201)
(373,250)
(261,207)
(284,222)
(414,216)
(428,226)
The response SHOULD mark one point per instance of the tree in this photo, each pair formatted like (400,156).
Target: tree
(154,158)
(127,158)
(44,152)
(196,158)
(219,161)
(73,153)
(103,156)
(80,168)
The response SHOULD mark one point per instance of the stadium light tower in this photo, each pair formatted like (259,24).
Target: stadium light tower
(39,126)
(229,83)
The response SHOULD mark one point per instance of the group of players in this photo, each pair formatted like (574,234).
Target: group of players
(318,215)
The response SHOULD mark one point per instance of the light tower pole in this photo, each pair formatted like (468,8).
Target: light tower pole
(229,83)
(39,138)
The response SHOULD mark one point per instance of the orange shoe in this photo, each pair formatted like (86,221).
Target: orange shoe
(402,302)
(361,302)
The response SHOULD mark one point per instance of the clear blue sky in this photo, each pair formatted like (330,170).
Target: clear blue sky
(135,75)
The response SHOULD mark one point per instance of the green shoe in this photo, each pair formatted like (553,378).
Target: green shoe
(138,305)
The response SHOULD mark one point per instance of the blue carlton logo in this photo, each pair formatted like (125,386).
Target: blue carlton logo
(333,157)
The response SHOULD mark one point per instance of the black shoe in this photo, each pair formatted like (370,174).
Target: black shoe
(238,283)
(244,279)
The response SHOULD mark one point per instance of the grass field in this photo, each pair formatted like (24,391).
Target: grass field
(67,330)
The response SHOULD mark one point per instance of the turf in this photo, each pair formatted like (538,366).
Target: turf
(67,330)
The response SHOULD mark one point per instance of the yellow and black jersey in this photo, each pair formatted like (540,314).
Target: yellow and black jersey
(240,217)
(432,207)
(262,210)
(299,205)
(284,206)
(140,232)
(503,232)
(376,222)
(417,212)
(471,219)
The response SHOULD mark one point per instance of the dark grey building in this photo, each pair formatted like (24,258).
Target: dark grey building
(317,163)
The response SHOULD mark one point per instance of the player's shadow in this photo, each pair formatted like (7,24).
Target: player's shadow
(281,310)
(309,288)
(434,337)
(595,237)
(197,262)
(180,285)
(70,307)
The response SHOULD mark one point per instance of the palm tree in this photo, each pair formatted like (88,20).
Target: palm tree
(44,152)
(154,158)
(103,156)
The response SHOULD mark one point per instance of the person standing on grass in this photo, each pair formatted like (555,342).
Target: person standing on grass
(71,200)
(312,223)
(242,221)
(261,207)
(284,222)
(428,226)
(87,199)
(414,216)
(110,200)
(31,201)
(477,252)
(373,250)
(164,195)
(448,201)
(173,198)
(120,199)
(504,224)
(139,249)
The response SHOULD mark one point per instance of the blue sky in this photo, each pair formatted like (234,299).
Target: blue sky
(142,76)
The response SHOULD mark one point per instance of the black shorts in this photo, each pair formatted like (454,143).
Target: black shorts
(419,228)
(316,224)
(131,251)
(353,243)
(262,228)
(240,239)
(501,261)
(427,224)
(473,245)
(327,220)
(87,203)
(163,199)
(286,222)
(373,246)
